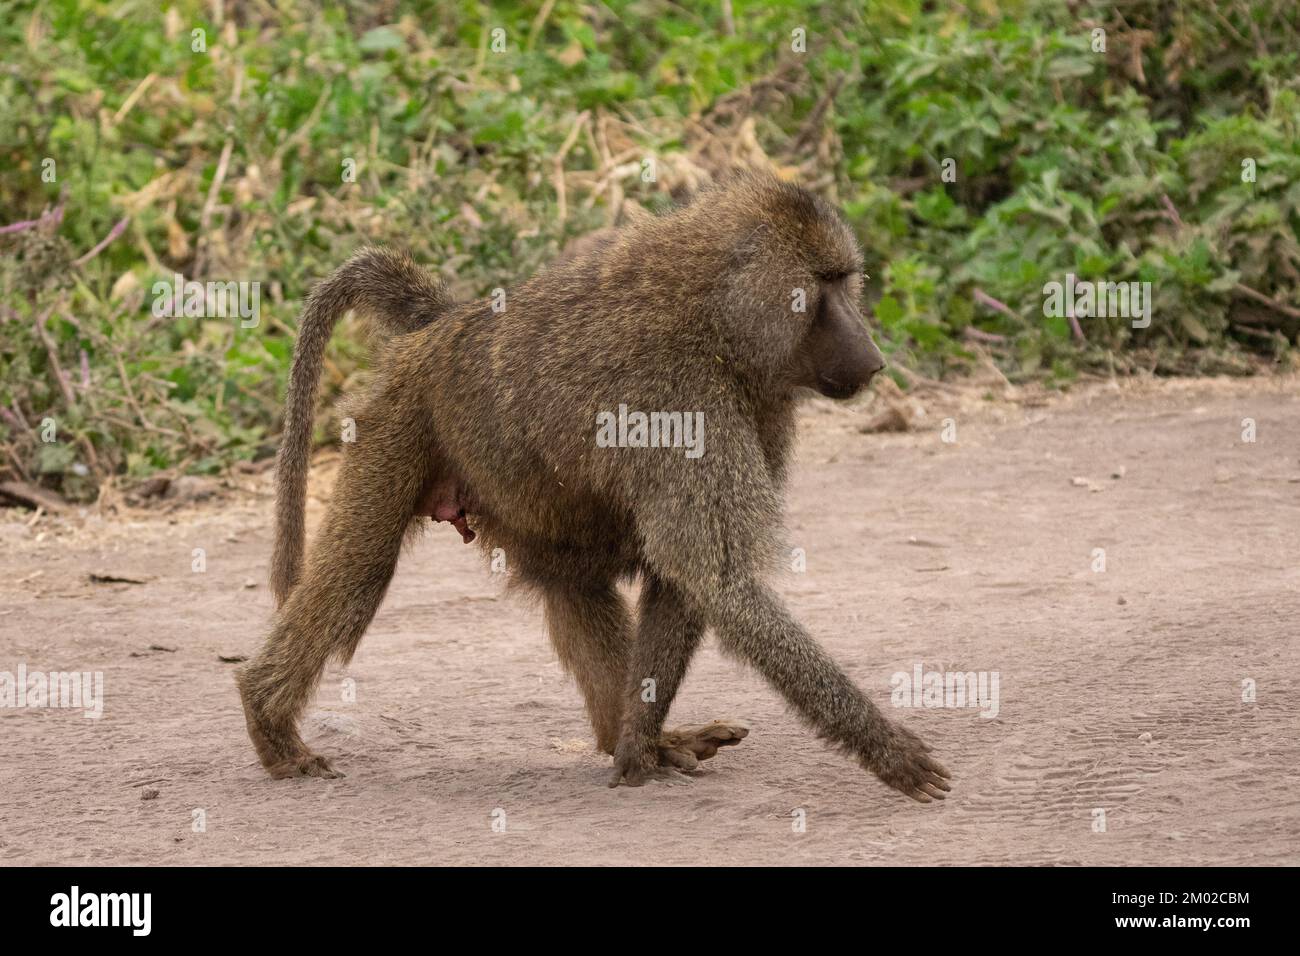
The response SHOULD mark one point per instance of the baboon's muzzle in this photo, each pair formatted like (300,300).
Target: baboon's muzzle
(844,355)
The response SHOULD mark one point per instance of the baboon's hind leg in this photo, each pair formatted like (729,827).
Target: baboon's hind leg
(591,632)
(684,747)
(346,576)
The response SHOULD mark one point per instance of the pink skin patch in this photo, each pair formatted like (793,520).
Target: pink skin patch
(446,501)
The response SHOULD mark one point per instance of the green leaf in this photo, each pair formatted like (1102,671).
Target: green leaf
(888,311)
(381,39)
(54,458)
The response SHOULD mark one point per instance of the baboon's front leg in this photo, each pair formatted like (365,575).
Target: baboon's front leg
(713,558)
(591,631)
(666,640)
(668,634)
(754,625)
(346,576)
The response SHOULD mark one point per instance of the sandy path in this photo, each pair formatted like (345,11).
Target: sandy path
(968,556)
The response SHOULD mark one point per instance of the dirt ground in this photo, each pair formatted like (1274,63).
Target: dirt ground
(1120,690)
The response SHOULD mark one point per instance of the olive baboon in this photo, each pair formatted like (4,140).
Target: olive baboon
(492,415)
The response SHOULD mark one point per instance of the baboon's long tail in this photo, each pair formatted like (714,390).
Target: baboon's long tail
(398,296)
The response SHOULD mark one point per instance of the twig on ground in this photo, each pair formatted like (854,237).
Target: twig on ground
(813,125)
(214,191)
(983,298)
(1261,298)
(64,385)
(19,468)
(979,335)
(561,202)
(131,100)
(54,216)
(100,246)
(539,21)
(1172,211)
(917,380)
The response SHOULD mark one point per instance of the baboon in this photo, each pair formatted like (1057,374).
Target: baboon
(488,418)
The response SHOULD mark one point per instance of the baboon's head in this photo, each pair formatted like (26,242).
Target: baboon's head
(836,356)
(803,269)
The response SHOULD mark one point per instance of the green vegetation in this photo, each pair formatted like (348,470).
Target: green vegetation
(227,163)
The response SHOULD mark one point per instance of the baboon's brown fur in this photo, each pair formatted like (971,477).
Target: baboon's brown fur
(687,312)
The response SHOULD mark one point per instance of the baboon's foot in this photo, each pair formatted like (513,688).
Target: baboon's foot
(905,764)
(278,746)
(285,755)
(685,747)
(675,753)
(306,764)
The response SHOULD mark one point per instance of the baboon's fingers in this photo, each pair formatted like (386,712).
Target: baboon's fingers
(929,786)
(907,768)
(322,770)
(308,765)
(632,774)
(620,778)
(936,768)
(639,777)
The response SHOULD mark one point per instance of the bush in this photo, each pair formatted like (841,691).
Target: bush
(227,164)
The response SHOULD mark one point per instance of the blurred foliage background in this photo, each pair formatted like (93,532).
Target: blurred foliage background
(227,163)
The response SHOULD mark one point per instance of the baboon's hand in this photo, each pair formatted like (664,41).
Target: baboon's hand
(676,752)
(904,763)
(635,766)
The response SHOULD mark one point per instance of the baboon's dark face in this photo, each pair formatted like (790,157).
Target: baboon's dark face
(837,356)
(803,246)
